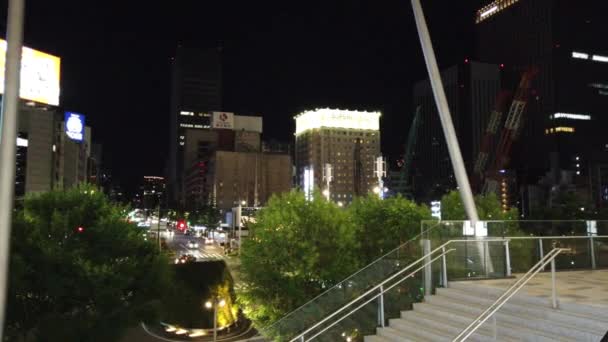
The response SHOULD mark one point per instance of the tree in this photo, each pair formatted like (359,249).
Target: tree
(79,271)
(488,208)
(207,216)
(297,249)
(383,225)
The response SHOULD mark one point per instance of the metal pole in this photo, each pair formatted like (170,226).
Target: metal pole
(444,114)
(158,230)
(592,251)
(444,269)
(507,259)
(240,212)
(494,328)
(8,139)
(553,289)
(428,277)
(540,248)
(381,307)
(215,304)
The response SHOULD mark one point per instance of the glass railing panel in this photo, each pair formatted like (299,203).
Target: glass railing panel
(344,292)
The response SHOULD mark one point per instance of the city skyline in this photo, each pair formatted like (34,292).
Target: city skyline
(356,55)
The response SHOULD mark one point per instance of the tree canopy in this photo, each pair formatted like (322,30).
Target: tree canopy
(488,208)
(300,248)
(382,225)
(78,270)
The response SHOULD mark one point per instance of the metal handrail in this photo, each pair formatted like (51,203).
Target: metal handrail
(350,276)
(511,291)
(302,335)
(382,291)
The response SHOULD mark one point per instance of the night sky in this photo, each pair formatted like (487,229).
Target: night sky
(279,58)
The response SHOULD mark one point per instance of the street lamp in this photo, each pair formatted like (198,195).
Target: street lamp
(214,304)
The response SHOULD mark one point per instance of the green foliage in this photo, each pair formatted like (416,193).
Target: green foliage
(488,208)
(383,225)
(67,285)
(300,248)
(208,217)
(297,249)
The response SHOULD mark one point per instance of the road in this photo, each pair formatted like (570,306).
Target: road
(178,242)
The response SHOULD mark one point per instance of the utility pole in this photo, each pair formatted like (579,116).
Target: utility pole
(8,140)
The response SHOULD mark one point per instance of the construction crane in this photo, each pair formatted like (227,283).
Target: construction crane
(403,185)
(487,143)
(511,129)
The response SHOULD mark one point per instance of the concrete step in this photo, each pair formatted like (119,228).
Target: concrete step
(450,327)
(461,317)
(561,321)
(394,335)
(598,313)
(408,330)
(375,338)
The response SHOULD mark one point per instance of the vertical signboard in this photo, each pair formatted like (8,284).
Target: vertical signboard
(74,126)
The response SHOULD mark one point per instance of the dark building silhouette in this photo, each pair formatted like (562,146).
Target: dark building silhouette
(563,136)
(196,91)
(471,89)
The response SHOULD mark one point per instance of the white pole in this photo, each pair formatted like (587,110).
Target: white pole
(215,304)
(8,138)
(444,114)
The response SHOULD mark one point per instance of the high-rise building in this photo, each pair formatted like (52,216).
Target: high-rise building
(196,91)
(36,149)
(565,120)
(471,89)
(250,177)
(339,148)
(225,165)
(152,192)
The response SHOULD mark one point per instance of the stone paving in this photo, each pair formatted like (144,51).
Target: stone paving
(583,287)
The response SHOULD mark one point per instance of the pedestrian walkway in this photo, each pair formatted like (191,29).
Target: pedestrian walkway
(208,256)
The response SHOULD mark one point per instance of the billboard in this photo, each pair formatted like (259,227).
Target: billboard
(74,126)
(39,75)
(222,120)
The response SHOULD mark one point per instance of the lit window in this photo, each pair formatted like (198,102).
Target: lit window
(580,55)
(599,58)
(571,116)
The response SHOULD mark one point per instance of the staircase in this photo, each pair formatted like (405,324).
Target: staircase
(523,318)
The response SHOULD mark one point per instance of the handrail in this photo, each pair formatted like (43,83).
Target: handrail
(426,256)
(350,276)
(558,237)
(382,291)
(510,292)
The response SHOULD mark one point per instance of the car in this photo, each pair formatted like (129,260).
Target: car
(192,244)
(185,259)
(208,241)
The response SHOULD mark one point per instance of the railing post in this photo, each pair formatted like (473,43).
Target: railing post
(486,255)
(553,289)
(592,251)
(444,269)
(494,328)
(507,259)
(426,248)
(302,338)
(540,248)
(381,307)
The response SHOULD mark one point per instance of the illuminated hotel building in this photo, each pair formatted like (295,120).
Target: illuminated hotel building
(565,118)
(347,141)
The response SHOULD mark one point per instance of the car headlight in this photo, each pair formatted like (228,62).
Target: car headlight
(177,261)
